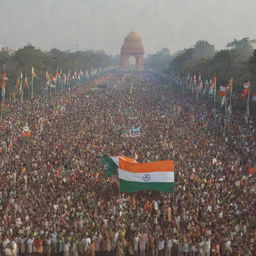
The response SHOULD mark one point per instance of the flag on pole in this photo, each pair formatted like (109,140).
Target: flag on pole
(194,80)
(230,84)
(4,78)
(26,82)
(54,79)
(57,74)
(223,91)
(18,83)
(212,84)
(254,97)
(21,80)
(154,176)
(206,86)
(213,81)
(199,77)
(201,85)
(110,164)
(246,89)
(33,72)
(223,100)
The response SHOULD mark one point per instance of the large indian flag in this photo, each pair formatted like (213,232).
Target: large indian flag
(155,176)
(110,164)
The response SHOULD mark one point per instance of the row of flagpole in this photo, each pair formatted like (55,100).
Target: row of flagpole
(60,81)
(196,85)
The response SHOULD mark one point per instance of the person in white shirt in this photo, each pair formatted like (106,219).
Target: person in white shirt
(160,246)
(66,249)
(228,246)
(14,247)
(169,246)
(136,244)
(6,247)
(22,245)
(30,245)
(207,245)
(86,242)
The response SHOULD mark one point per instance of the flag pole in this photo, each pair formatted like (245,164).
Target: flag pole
(225,116)
(248,106)
(21,87)
(214,96)
(32,86)
(197,92)
(3,91)
(230,95)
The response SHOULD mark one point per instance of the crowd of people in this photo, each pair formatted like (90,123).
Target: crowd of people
(55,200)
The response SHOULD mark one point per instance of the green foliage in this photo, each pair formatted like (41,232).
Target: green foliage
(178,64)
(192,59)
(243,43)
(159,61)
(25,58)
(4,58)
(243,48)
(203,50)
(252,65)
(228,63)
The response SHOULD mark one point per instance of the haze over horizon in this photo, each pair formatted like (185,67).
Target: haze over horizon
(103,24)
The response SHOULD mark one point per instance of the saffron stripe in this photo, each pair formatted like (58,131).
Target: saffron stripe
(159,166)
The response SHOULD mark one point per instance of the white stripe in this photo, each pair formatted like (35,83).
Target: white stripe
(115,159)
(146,176)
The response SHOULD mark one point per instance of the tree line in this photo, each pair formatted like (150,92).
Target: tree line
(49,62)
(237,61)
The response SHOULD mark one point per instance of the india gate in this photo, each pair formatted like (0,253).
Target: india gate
(132,47)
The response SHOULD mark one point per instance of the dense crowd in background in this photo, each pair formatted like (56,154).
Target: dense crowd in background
(55,200)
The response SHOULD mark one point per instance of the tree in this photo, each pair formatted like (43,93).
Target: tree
(4,58)
(243,48)
(192,60)
(178,64)
(203,50)
(252,66)
(160,60)
(28,56)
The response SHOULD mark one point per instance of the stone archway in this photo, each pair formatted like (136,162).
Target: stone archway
(132,47)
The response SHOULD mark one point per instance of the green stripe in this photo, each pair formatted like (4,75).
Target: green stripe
(109,166)
(132,186)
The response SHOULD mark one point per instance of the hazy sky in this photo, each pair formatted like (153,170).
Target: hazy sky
(103,24)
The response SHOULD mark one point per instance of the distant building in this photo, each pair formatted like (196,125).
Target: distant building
(10,50)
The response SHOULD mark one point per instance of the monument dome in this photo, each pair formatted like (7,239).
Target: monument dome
(132,46)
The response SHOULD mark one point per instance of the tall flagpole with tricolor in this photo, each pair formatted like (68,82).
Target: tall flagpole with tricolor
(254,97)
(33,75)
(230,87)
(246,95)
(214,84)
(223,91)
(4,78)
(21,87)
(199,80)
(26,86)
